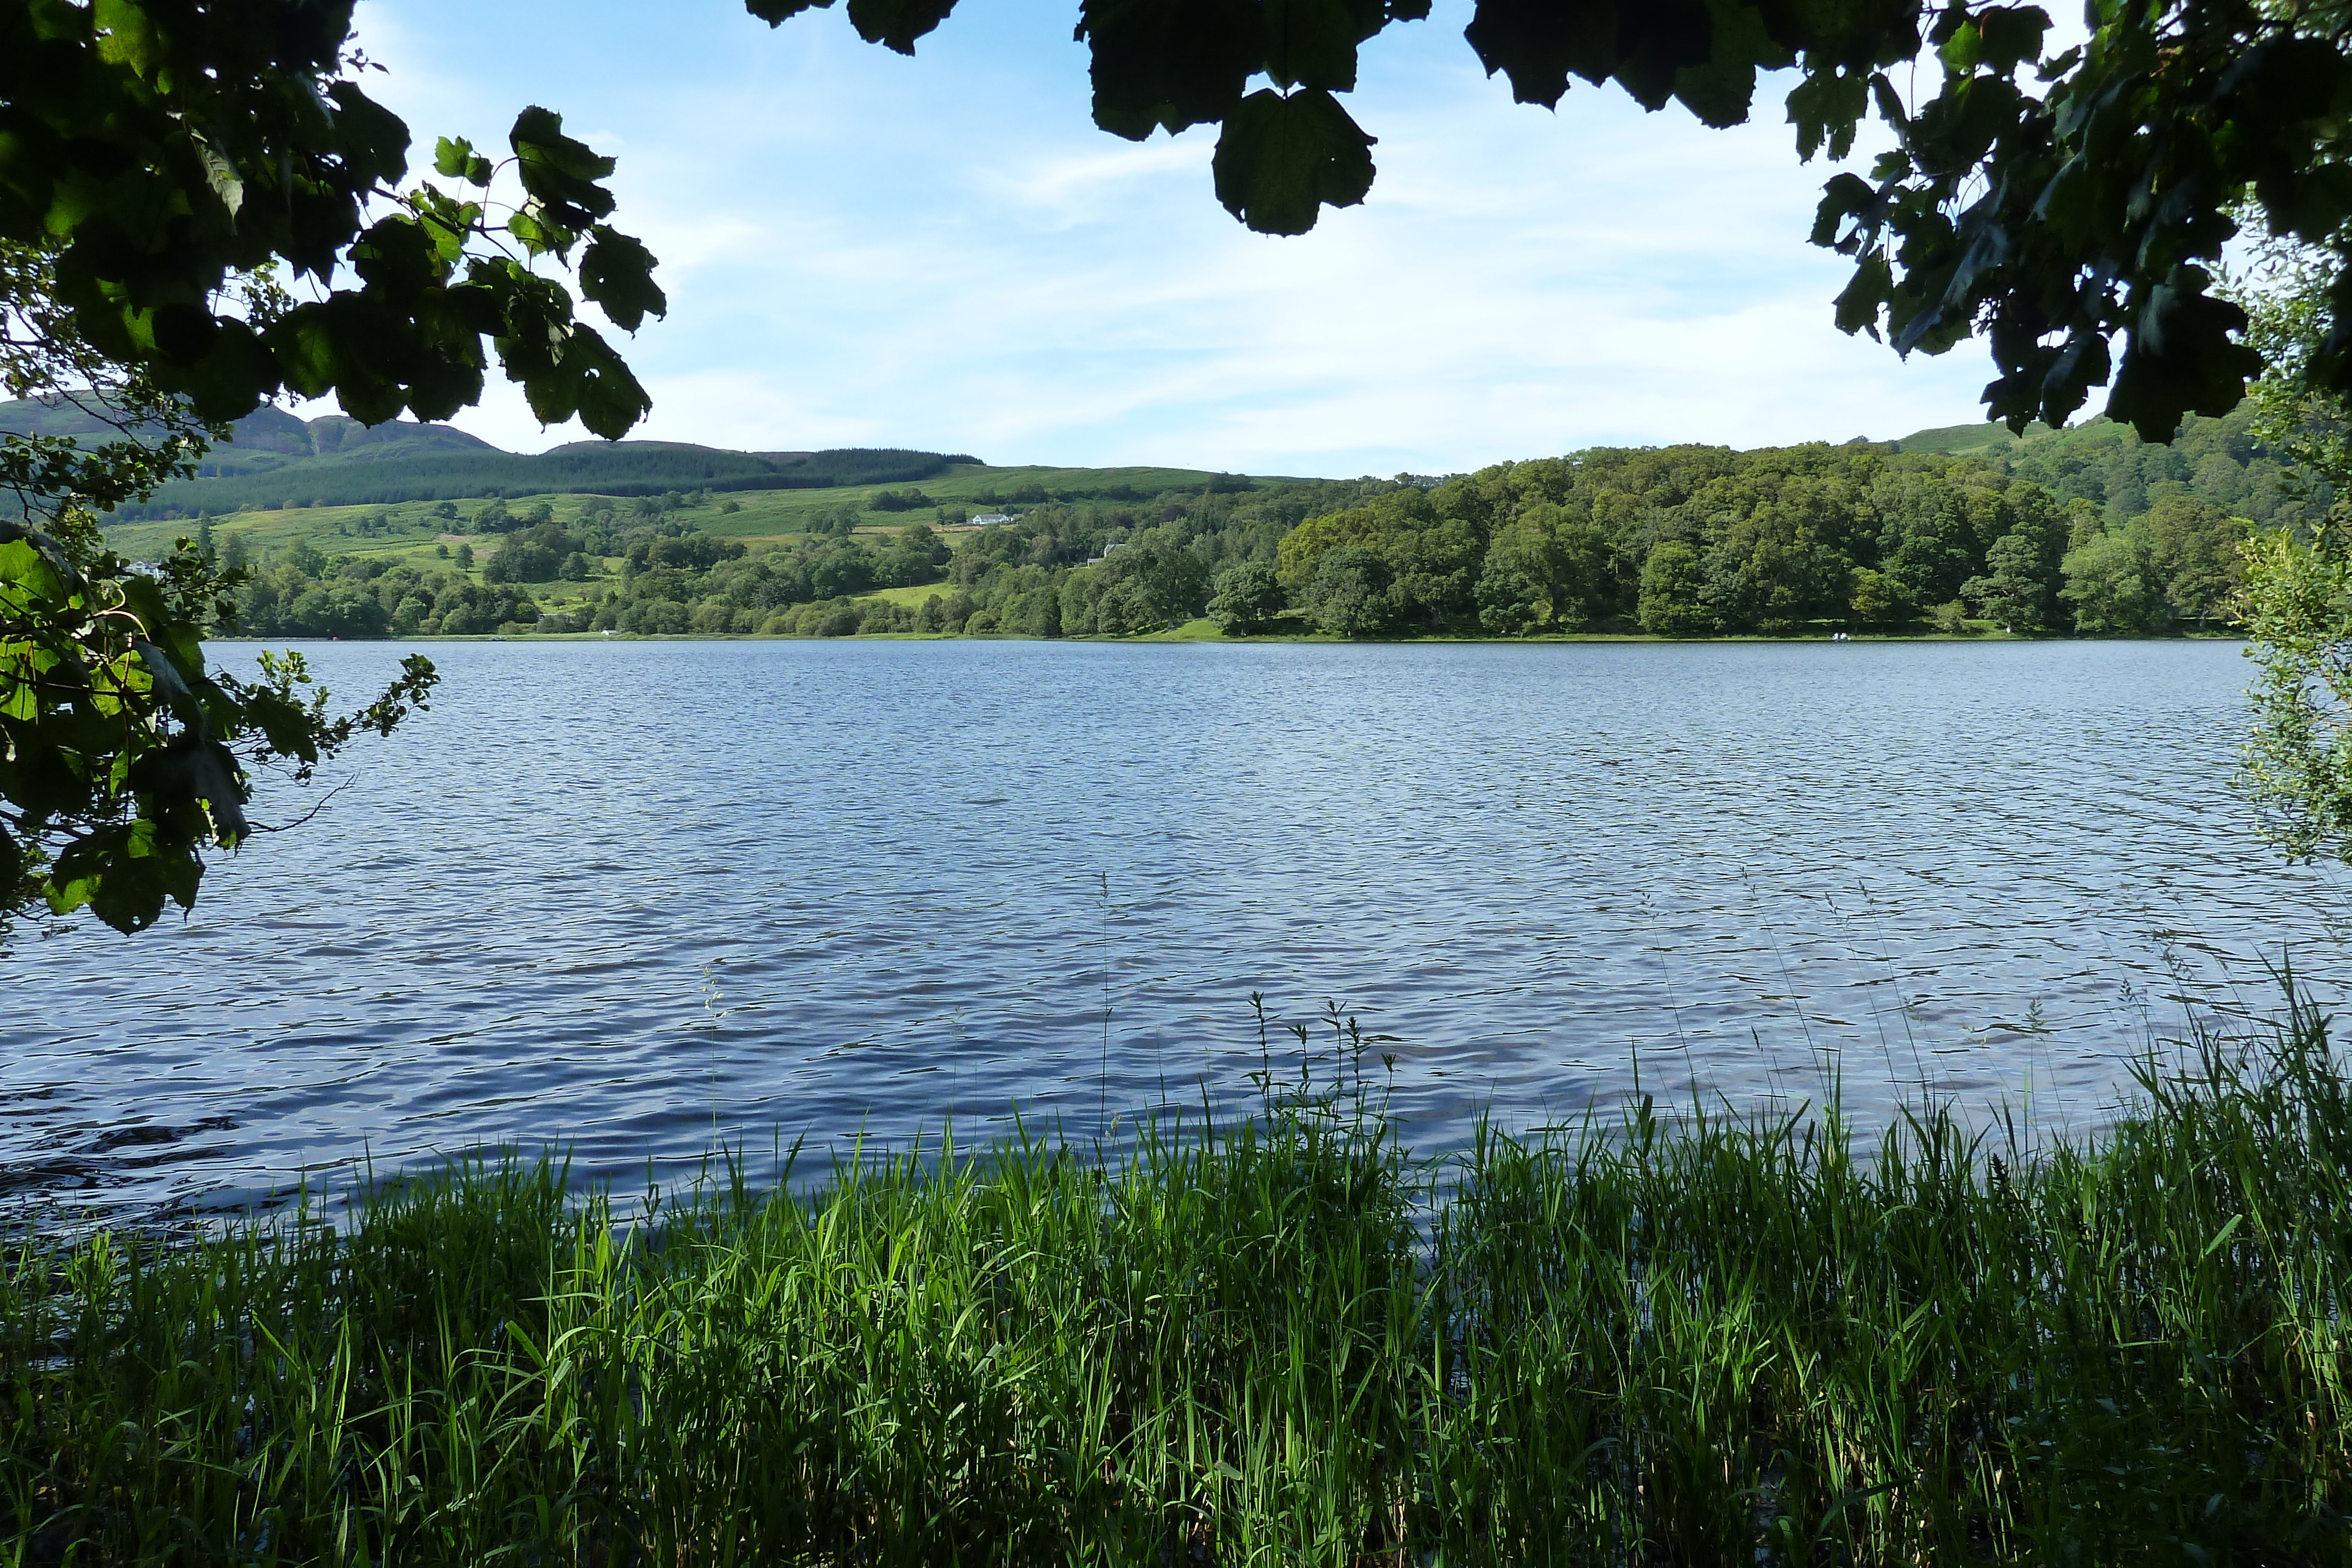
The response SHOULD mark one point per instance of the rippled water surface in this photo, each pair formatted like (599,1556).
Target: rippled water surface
(630,896)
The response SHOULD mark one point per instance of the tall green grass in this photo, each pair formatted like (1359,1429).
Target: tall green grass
(1697,1340)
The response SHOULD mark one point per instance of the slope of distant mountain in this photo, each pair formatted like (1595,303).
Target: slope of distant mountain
(277,460)
(370,477)
(336,436)
(268,437)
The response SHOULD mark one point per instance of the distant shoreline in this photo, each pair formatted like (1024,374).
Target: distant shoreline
(1219,639)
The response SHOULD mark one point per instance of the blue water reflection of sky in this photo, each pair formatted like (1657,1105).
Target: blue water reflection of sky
(632,897)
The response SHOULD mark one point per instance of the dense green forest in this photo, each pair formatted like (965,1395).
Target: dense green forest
(2085,530)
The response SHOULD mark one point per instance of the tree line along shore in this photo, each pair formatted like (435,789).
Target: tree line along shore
(2086,531)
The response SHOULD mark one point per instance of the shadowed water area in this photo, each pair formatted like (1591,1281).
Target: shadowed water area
(640,897)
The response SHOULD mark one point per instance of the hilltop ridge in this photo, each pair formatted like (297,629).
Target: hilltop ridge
(290,467)
(268,437)
(274,460)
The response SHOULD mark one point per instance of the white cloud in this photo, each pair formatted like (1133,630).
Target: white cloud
(944,252)
(752,411)
(1070,186)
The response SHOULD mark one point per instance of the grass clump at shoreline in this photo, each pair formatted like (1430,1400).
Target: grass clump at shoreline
(1695,1340)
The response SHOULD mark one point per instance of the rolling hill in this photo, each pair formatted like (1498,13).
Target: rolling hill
(275,461)
(282,476)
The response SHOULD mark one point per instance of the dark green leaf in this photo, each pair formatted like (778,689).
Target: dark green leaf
(610,400)
(559,173)
(1168,63)
(1826,108)
(171,686)
(1281,160)
(372,140)
(1845,198)
(13,870)
(191,769)
(1863,299)
(1311,42)
(34,572)
(1719,87)
(232,377)
(896,23)
(775,11)
(2180,359)
(2012,36)
(1538,43)
(127,35)
(539,238)
(616,271)
(398,256)
(456,160)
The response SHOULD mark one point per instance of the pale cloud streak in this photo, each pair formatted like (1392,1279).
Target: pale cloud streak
(943,252)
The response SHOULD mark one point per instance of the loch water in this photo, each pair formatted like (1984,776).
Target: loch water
(637,899)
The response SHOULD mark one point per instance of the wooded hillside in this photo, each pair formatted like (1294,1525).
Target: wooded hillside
(1969,530)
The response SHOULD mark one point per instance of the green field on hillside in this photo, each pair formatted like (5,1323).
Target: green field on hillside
(761,516)
(433,537)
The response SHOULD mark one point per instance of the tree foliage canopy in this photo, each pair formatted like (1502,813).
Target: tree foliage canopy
(2297,766)
(162,150)
(2051,201)
(200,210)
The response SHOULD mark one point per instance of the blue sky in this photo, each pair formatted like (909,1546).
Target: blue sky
(943,251)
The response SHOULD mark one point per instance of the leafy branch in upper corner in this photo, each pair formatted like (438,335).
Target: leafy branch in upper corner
(163,150)
(200,210)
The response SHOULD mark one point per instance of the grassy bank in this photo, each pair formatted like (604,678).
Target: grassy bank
(1688,1340)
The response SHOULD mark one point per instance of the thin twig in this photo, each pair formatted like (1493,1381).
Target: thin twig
(305,817)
